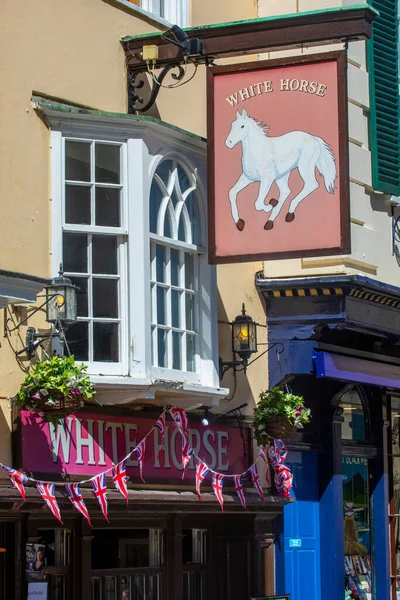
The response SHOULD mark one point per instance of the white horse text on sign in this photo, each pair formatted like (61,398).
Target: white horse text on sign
(271,159)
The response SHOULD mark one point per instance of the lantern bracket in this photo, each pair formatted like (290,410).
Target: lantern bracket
(48,299)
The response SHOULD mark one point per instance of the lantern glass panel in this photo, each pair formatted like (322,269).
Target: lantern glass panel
(244,337)
(62,304)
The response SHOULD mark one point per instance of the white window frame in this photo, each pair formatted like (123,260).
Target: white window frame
(59,226)
(142,152)
(174,11)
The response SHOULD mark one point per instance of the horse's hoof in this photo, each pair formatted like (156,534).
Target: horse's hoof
(273,202)
(240,224)
(269,225)
(289,217)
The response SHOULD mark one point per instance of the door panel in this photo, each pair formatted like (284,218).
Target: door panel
(298,546)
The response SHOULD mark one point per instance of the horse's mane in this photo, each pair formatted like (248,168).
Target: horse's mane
(263,127)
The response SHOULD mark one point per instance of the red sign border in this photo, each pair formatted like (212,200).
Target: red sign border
(344,190)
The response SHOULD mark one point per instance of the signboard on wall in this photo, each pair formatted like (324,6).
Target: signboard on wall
(278,159)
(87,443)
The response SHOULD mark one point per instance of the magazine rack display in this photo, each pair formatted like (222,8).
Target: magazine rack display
(358,576)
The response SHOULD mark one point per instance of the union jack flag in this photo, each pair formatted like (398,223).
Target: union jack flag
(217,479)
(17,479)
(263,453)
(160,425)
(99,484)
(47,491)
(201,472)
(256,481)
(283,477)
(187,452)
(140,450)
(239,489)
(264,456)
(74,494)
(180,418)
(119,479)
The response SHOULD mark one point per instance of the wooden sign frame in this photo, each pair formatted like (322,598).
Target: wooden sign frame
(344,246)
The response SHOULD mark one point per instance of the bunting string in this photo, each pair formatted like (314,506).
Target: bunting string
(273,457)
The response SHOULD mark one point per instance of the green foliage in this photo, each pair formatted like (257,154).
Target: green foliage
(58,376)
(277,402)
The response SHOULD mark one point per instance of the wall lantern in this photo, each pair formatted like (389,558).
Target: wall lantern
(61,301)
(61,311)
(244,343)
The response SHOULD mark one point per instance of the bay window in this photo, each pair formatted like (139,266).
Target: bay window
(129,227)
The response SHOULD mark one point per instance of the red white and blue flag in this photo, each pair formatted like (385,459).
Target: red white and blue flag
(140,450)
(47,491)
(187,452)
(263,453)
(239,489)
(217,482)
(201,472)
(283,477)
(180,418)
(74,494)
(256,481)
(18,480)
(160,425)
(119,479)
(99,484)
(264,456)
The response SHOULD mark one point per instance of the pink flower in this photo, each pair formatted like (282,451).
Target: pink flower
(75,392)
(36,396)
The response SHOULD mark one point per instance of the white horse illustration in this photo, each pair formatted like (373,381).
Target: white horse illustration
(268,159)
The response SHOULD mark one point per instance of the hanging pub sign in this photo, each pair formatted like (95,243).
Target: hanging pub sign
(278,159)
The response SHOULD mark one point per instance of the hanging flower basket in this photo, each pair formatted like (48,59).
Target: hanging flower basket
(278,415)
(55,388)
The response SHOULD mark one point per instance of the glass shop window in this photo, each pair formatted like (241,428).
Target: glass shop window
(127,564)
(353,427)
(194,556)
(357,532)
(47,561)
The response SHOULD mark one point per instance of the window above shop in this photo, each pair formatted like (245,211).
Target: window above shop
(129,227)
(174,11)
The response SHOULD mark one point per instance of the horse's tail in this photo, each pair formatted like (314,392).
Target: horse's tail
(326,165)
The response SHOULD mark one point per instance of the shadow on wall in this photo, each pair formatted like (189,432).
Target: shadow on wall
(5,435)
(238,384)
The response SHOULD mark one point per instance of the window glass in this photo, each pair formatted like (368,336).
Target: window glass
(357,534)
(77,204)
(353,427)
(174,303)
(75,252)
(77,161)
(107,163)
(108,210)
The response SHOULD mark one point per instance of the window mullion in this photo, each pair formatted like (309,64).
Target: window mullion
(90,297)
(168,299)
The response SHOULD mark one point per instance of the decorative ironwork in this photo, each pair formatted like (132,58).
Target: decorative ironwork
(136,81)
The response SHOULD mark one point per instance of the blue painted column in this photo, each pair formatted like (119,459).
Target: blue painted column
(331,511)
(380,538)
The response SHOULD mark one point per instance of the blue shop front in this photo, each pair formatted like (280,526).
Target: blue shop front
(339,347)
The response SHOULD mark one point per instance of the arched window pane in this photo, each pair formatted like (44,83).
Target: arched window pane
(182,229)
(194,216)
(167,225)
(164,171)
(183,179)
(156,198)
(353,427)
(175,289)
